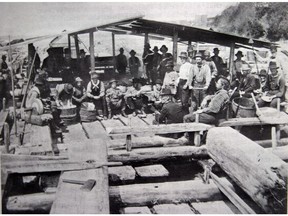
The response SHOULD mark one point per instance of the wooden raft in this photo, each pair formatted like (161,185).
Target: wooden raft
(69,197)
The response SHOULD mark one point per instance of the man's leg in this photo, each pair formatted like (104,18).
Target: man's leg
(274,103)
(207,118)
(262,103)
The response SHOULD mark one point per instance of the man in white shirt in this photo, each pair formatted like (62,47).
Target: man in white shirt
(184,80)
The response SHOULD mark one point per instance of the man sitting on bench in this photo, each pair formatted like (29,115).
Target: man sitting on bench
(212,104)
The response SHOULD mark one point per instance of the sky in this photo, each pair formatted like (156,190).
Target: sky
(45,18)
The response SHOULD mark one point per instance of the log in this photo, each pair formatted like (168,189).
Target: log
(163,193)
(173,209)
(37,202)
(262,175)
(145,142)
(157,153)
(268,143)
(159,129)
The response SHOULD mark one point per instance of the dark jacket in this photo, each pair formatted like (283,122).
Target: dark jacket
(248,84)
(171,113)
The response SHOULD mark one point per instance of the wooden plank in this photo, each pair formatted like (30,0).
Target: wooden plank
(163,193)
(122,173)
(262,175)
(135,210)
(157,170)
(160,129)
(281,152)
(215,207)
(157,153)
(75,133)
(95,130)
(281,119)
(182,208)
(3,118)
(149,119)
(69,197)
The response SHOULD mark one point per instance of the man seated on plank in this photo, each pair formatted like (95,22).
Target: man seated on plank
(212,105)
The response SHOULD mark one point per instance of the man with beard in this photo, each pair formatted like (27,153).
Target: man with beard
(218,61)
(165,57)
(121,62)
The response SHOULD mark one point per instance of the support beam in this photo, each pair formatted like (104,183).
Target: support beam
(231,59)
(113,51)
(69,42)
(175,42)
(92,52)
(77,47)
(262,175)
(146,38)
(167,192)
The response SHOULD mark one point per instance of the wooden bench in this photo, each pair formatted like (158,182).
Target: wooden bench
(157,130)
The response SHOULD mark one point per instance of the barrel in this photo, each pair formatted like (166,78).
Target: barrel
(243,107)
(87,115)
(68,114)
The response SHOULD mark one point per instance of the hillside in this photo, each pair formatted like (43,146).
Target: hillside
(254,19)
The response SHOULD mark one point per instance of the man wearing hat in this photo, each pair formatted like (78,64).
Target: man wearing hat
(134,98)
(51,64)
(201,74)
(96,94)
(153,60)
(115,100)
(171,78)
(184,80)
(217,60)
(83,66)
(237,66)
(64,93)
(165,57)
(274,87)
(212,105)
(79,94)
(121,62)
(147,57)
(134,64)
(171,111)
(68,69)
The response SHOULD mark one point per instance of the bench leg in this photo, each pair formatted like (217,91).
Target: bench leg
(128,143)
(197,139)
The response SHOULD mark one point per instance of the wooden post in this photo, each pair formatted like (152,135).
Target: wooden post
(6,137)
(77,47)
(231,59)
(128,143)
(113,51)
(175,40)
(69,42)
(4,104)
(197,133)
(273,137)
(92,56)
(13,99)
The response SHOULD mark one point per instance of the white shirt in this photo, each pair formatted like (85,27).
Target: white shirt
(185,71)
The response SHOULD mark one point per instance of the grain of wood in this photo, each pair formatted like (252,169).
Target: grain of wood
(182,208)
(157,170)
(135,210)
(215,207)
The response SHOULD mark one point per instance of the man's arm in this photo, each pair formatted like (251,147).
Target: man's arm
(207,76)
(163,115)
(89,91)
(216,103)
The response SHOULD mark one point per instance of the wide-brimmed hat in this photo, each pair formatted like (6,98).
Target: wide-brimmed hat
(93,74)
(68,88)
(67,51)
(155,48)
(215,49)
(159,81)
(166,91)
(273,65)
(49,49)
(78,79)
(245,67)
(163,47)
(273,47)
(239,53)
(112,80)
(121,49)
(263,73)
(198,54)
(183,55)
(132,51)
(82,51)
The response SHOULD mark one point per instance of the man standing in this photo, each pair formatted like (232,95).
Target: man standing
(218,61)
(51,64)
(212,105)
(201,74)
(147,60)
(171,78)
(134,64)
(68,72)
(164,58)
(121,62)
(237,66)
(274,87)
(83,67)
(214,72)
(184,80)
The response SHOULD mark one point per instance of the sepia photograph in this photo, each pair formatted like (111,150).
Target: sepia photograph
(144,107)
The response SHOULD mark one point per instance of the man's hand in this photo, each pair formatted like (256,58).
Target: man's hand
(96,97)
(185,86)
(58,103)
(241,92)
(204,103)
(198,111)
